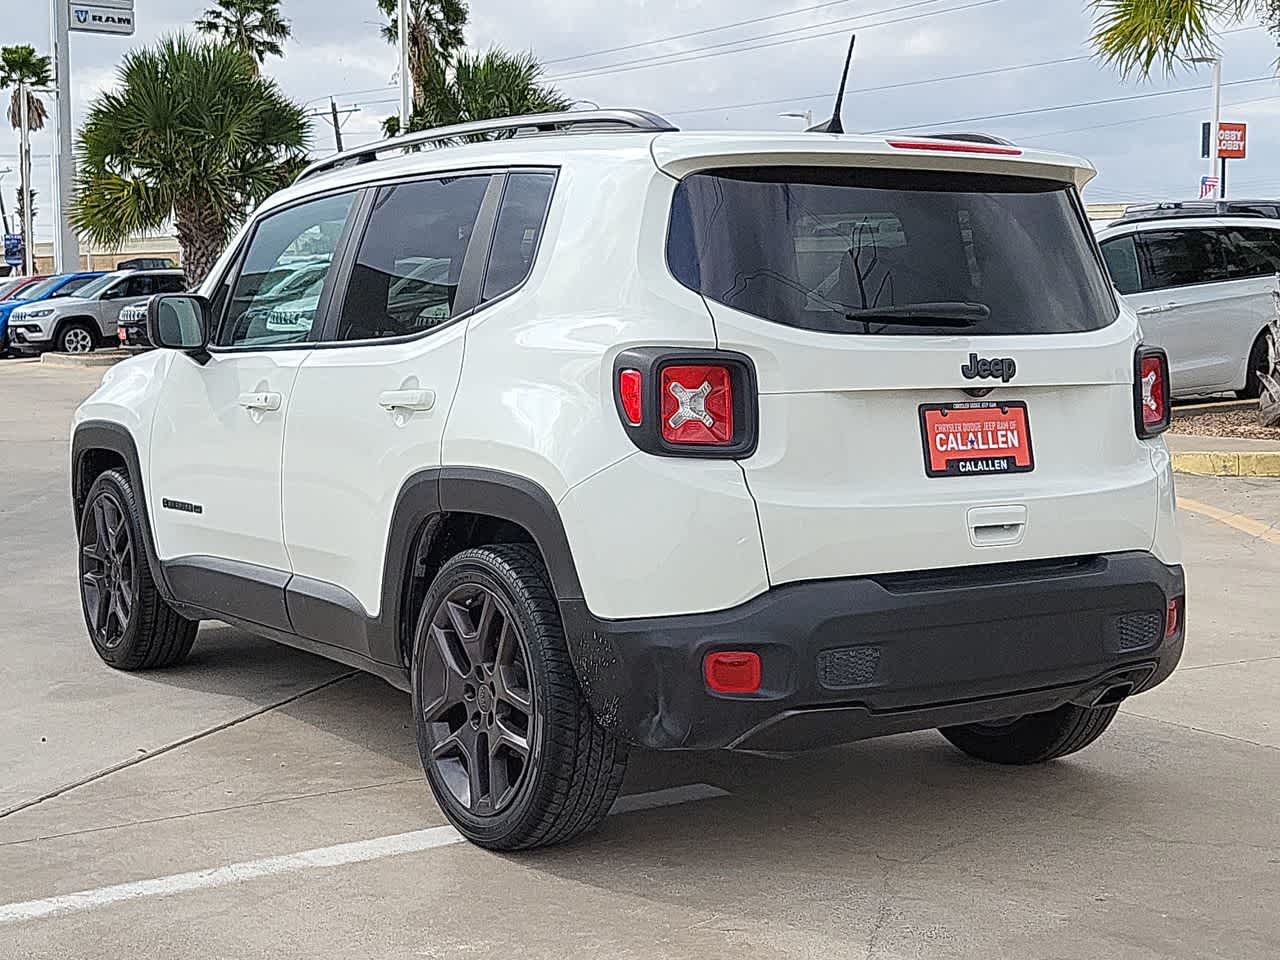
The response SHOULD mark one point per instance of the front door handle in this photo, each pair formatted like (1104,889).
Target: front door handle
(407,399)
(260,401)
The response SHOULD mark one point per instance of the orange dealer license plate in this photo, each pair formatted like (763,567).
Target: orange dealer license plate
(981,437)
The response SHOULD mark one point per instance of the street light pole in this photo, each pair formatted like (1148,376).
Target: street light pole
(1217,116)
(24,166)
(66,245)
(406,81)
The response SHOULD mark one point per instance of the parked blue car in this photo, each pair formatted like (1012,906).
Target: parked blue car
(63,285)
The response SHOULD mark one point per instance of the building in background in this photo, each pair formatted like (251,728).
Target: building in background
(96,258)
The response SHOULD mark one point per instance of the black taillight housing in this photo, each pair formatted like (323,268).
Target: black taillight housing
(1152,404)
(687,403)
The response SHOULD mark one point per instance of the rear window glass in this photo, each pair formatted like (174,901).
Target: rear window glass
(890,252)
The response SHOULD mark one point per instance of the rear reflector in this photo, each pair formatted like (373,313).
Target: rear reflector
(697,405)
(631,396)
(732,671)
(1152,410)
(955,146)
(1173,617)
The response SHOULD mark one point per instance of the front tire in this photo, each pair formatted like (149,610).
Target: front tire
(130,624)
(1259,357)
(508,744)
(1034,738)
(76,338)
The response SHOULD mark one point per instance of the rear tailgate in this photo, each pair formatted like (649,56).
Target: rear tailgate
(872,457)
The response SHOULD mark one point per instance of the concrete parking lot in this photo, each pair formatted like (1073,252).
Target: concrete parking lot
(162,814)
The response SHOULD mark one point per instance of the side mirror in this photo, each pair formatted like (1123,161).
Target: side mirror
(114,293)
(178,321)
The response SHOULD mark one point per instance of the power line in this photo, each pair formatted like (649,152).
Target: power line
(1152,116)
(701,54)
(695,33)
(886,86)
(1065,106)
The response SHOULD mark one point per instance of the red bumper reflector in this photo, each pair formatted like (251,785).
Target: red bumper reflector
(629,394)
(732,671)
(1173,617)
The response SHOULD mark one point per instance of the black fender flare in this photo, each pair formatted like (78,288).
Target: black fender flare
(95,435)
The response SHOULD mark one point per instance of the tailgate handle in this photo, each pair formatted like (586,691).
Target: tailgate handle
(997,526)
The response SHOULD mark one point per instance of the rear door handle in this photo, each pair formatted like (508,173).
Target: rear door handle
(1162,308)
(260,401)
(407,399)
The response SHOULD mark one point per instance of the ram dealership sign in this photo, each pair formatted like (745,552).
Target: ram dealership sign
(102,16)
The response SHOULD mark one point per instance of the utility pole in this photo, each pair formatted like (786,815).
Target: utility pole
(337,127)
(1213,131)
(66,245)
(334,115)
(406,81)
(24,165)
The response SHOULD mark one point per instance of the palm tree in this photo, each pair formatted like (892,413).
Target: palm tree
(474,86)
(22,69)
(435,32)
(1138,36)
(254,27)
(192,135)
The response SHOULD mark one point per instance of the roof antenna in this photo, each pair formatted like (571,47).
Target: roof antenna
(834,125)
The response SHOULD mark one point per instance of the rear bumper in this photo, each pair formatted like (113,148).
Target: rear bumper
(861,657)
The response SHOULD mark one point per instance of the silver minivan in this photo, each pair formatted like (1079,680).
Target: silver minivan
(1202,288)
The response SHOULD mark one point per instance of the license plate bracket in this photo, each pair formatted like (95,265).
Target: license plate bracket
(976,438)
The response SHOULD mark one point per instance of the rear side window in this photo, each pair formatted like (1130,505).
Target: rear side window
(406,273)
(890,252)
(1121,255)
(1182,258)
(1255,251)
(519,228)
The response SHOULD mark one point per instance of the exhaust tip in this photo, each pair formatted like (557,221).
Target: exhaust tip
(1113,694)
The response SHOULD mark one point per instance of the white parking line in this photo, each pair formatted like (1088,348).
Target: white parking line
(359,851)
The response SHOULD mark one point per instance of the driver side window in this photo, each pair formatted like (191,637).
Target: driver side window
(277,293)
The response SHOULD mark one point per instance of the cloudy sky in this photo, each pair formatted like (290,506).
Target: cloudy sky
(922,65)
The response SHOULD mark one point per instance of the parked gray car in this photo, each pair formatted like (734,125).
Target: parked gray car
(88,320)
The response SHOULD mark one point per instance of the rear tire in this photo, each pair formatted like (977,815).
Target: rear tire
(1034,738)
(1258,359)
(130,624)
(76,338)
(507,741)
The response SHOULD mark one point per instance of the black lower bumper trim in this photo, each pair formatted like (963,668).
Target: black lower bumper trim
(861,657)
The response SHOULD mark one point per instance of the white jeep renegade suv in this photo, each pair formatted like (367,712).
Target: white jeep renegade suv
(607,434)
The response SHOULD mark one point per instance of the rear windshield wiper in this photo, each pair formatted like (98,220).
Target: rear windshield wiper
(947,313)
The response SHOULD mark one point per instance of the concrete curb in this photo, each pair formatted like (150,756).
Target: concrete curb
(1228,464)
(99,358)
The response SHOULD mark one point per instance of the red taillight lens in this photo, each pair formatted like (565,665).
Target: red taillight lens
(631,396)
(732,671)
(1173,617)
(1151,392)
(697,405)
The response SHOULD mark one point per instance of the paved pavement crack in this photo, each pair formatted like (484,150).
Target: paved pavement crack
(166,748)
(293,797)
(1211,733)
(1228,663)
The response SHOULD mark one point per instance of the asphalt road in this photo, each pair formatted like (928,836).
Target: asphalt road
(177,802)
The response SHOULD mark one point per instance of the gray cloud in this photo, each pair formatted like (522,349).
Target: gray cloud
(337,50)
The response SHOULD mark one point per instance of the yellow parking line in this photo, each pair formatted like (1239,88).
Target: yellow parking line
(1238,521)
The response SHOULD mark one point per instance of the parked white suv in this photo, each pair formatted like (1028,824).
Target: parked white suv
(1202,288)
(629,436)
(87,320)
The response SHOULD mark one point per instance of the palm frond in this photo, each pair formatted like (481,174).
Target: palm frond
(1139,37)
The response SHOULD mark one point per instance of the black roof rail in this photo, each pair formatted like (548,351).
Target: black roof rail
(534,124)
(972,138)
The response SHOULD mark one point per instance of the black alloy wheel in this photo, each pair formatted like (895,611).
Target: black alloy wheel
(108,570)
(477,700)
